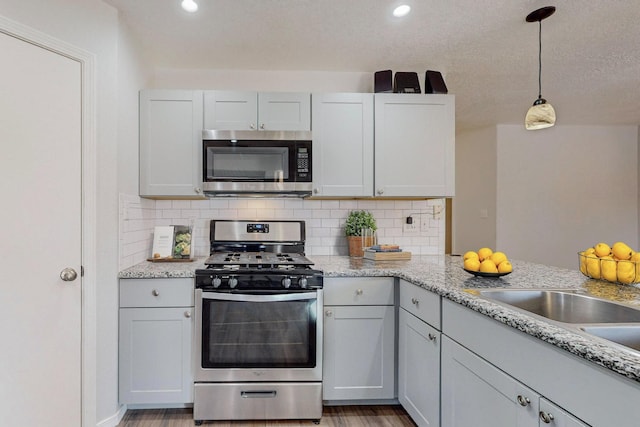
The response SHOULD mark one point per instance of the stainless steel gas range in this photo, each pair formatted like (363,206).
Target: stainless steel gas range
(258,343)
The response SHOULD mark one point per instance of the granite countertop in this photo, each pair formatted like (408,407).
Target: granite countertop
(444,275)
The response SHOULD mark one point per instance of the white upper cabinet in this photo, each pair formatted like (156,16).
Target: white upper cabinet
(414,145)
(241,110)
(170,143)
(342,144)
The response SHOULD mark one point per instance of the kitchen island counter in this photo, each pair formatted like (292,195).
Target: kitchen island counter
(444,276)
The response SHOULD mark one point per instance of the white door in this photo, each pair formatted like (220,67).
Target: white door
(40,224)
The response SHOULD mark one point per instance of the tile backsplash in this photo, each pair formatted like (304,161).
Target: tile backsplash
(324,222)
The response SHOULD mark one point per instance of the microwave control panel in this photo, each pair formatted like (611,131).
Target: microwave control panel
(302,157)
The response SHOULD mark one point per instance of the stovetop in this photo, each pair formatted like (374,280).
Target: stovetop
(257,260)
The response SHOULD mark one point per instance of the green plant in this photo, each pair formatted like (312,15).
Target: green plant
(357,220)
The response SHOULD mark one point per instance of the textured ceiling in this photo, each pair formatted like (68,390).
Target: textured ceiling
(485,49)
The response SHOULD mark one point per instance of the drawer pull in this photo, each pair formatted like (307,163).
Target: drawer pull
(187,314)
(328,313)
(359,292)
(523,401)
(432,337)
(258,394)
(415,301)
(155,293)
(546,418)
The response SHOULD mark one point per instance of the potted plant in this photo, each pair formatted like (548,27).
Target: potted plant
(356,222)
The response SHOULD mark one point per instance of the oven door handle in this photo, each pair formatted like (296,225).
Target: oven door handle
(289,296)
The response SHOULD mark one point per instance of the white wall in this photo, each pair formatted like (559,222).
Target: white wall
(261,80)
(474,207)
(563,189)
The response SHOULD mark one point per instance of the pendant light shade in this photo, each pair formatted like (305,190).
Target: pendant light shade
(541,114)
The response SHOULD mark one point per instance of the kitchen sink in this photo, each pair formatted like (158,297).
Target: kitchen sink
(626,335)
(565,306)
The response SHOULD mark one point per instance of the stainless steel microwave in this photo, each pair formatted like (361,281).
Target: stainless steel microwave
(256,163)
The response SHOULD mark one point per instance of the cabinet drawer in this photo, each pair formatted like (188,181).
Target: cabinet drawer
(156,292)
(421,303)
(358,291)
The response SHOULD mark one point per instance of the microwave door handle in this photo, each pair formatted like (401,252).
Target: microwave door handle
(294,296)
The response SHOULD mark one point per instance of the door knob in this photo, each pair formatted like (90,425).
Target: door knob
(68,274)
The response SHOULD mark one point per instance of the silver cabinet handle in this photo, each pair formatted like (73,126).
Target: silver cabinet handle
(328,313)
(432,337)
(252,126)
(415,301)
(380,191)
(359,291)
(262,126)
(546,418)
(523,401)
(155,293)
(316,191)
(187,314)
(198,190)
(68,274)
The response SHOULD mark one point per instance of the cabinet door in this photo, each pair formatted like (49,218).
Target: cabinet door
(359,359)
(414,145)
(171,143)
(343,144)
(419,369)
(284,111)
(230,110)
(552,416)
(155,355)
(475,393)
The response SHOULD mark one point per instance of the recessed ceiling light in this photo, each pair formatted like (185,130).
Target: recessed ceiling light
(401,10)
(189,5)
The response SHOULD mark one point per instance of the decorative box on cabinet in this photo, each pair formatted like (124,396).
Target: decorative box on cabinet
(155,341)
(171,144)
(359,339)
(273,111)
(414,145)
(419,354)
(342,144)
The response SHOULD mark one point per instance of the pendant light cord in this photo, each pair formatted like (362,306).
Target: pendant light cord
(540,59)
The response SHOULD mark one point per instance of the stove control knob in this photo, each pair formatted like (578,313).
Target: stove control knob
(216,281)
(286,282)
(233,282)
(303,282)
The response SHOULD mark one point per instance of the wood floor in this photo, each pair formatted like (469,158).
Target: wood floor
(334,416)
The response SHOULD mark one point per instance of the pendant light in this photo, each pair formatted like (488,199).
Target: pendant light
(541,114)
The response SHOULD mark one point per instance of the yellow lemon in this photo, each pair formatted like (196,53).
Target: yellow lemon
(621,250)
(488,266)
(498,257)
(602,249)
(472,264)
(484,253)
(626,272)
(609,268)
(505,267)
(590,251)
(593,267)
(470,254)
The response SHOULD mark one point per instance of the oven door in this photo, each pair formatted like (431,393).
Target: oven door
(258,337)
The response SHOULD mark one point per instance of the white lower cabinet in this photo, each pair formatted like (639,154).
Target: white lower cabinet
(476,393)
(156,329)
(359,339)
(419,369)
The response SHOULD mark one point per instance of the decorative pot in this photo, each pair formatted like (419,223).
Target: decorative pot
(356,244)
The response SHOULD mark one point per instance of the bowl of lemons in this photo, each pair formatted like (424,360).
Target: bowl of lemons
(486,263)
(616,264)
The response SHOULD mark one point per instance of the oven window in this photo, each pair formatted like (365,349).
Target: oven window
(248,163)
(274,334)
